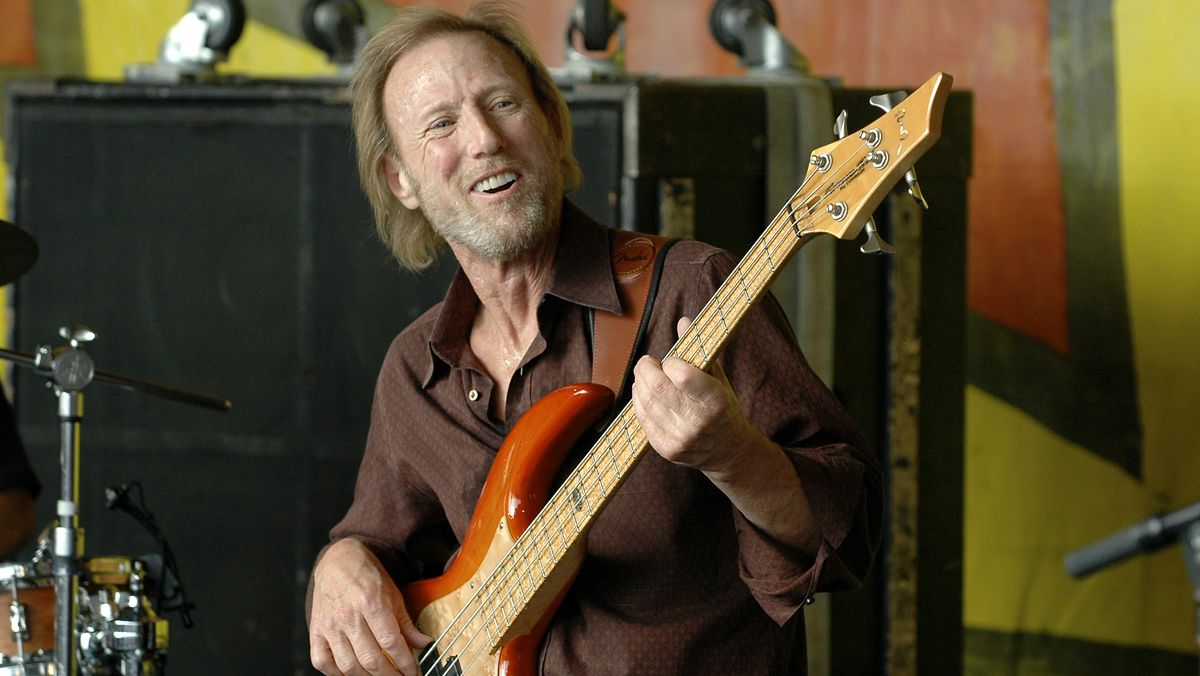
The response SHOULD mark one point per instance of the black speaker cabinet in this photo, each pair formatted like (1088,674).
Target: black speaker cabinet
(215,239)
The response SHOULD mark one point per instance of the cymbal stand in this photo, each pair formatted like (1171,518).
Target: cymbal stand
(70,370)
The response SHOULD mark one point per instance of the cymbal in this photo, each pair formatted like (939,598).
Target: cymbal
(18,252)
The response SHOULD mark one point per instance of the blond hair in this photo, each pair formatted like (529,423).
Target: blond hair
(407,232)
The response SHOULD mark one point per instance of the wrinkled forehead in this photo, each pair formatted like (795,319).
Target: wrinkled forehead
(448,66)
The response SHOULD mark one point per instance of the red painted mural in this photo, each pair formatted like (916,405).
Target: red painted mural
(17,45)
(1016,266)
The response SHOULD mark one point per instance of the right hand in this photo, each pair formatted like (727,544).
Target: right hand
(359,624)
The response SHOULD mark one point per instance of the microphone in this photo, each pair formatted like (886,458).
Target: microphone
(1147,536)
(116,497)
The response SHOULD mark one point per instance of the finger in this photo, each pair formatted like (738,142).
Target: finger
(654,391)
(415,637)
(394,641)
(321,656)
(683,374)
(656,433)
(345,656)
(682,325)
(365,651)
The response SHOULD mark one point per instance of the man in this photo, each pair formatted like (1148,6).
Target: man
(759,493)
(18,486)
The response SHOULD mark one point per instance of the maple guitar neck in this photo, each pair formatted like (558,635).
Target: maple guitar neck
(846,181)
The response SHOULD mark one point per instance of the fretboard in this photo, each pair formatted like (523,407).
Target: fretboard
(847,181)
(570,512)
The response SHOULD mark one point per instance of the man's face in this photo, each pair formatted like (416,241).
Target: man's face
(478,155)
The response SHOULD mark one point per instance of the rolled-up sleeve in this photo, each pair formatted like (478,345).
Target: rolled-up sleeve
(840,474)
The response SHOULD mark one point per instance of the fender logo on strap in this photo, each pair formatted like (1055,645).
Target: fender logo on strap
(631,259)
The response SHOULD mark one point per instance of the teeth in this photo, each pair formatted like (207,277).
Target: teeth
(494,182)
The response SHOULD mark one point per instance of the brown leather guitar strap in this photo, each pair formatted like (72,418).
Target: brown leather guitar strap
(637,264)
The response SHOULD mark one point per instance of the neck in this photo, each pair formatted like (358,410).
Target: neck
(505,323)
(509,291)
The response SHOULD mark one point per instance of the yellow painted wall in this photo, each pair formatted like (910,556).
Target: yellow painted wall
(121,32)
(1159,88)
(1031,497)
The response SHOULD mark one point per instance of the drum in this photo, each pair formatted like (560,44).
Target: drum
(27,637)
(118,631)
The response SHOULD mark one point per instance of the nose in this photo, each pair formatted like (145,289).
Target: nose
(483,135)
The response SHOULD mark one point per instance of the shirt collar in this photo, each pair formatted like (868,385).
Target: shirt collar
(582,276)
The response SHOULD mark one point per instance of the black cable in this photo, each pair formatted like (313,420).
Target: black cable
(118,498)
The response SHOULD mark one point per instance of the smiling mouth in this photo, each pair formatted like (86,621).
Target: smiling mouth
(494,184)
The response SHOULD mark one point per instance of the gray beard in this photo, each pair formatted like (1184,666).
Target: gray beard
(493,244)
(537,221)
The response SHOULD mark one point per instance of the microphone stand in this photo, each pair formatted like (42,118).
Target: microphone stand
(70,371)
(1147,536)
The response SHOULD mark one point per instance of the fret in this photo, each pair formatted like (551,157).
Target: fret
(792,218)
(768,253)
(587,502)
(576,519)
(507,590)
(597,472)
(529,578)
(611,470)
(487,625)
(613,457)
(507,606)
(629,439)
(749,297)
(562,528)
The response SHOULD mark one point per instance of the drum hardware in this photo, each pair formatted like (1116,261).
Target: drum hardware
(69,371)
(169,591)
(118,630)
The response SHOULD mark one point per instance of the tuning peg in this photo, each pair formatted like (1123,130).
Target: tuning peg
(875,244)
(914,188)
(886,102)
(839,125)
(889,100)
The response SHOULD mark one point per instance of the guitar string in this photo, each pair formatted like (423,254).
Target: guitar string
(601,476)
(779,228)
(696,340)
(776,229)
(623,422)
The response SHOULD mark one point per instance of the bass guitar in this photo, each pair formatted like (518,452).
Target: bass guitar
(489,610)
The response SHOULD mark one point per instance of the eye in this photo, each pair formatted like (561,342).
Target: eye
(440,127)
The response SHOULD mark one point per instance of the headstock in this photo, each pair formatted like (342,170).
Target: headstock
(847,179)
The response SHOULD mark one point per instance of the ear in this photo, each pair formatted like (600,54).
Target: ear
(398,181)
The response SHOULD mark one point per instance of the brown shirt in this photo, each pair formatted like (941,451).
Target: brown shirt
(676,581)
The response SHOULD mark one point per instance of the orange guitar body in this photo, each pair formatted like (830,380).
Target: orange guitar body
(489,612)
(517,487)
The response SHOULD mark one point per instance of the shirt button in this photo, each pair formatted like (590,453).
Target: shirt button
(473,395)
